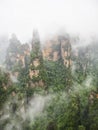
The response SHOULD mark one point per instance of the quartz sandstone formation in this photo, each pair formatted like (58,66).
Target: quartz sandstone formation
(36,65)
(62,47)
(55,48)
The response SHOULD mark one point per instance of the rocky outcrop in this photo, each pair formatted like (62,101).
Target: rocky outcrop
(16,54)
(59,47)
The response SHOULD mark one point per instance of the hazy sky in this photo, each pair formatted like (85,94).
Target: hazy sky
(22,16)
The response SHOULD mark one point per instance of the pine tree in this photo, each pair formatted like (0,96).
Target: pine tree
(12,51)
(37,71)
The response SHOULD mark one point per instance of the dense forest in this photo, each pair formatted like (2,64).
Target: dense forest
(50,84)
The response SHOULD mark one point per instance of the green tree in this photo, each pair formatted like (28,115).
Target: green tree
(12,52)
(38,75)
(5,87)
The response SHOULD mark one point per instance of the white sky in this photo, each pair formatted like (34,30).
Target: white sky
(22,16)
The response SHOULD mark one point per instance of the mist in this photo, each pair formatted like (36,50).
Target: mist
(21,17)
(48,65)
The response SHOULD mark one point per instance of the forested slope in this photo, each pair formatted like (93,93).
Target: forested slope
(56,88)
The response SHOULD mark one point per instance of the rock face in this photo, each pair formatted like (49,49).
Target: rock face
(16,54)
(59,47)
